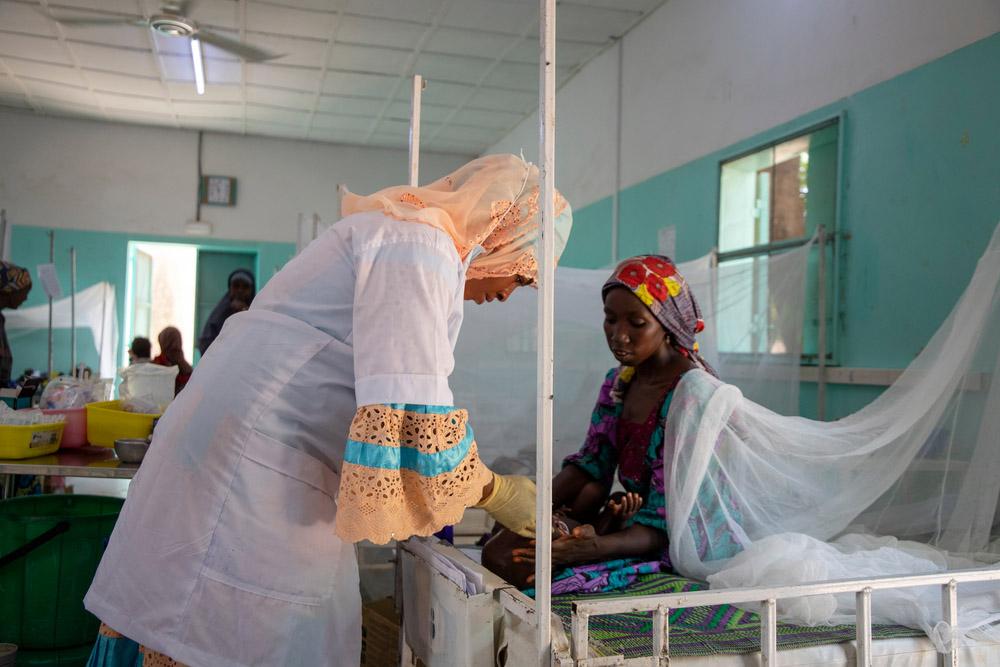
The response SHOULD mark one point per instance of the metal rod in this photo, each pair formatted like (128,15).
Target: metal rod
(546,302)
(580,626)
(616,198)
(72,311)
(52,260)
(949,605)
(769,633)
(104,316)
(3,233)
(756,594)
(764,249)
(418,86)
(863,626)
(661,635)
(821,337)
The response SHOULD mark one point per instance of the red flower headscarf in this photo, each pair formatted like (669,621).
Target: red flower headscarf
(654,280)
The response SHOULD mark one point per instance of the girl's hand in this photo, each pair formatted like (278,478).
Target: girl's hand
(578,547)
(627,507)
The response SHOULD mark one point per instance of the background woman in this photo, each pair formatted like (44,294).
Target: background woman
(239,294)
(172,354)
(15,283)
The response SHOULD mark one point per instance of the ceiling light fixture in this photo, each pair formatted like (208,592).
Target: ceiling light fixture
(199,72)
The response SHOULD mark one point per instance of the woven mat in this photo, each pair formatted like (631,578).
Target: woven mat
(699,631)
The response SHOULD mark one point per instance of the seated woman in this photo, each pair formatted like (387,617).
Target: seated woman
(650,322)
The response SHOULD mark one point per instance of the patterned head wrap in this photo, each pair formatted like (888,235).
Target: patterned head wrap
(654,280)
(490,202)
(13,278)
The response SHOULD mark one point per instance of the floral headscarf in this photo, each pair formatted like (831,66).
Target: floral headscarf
(490,202)
(654,280)
(13,278)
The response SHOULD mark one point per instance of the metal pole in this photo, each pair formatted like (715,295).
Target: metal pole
(52,260)
(821,342)
(616,199)
(418,86)
(546,301)
(3,233)
(72,311)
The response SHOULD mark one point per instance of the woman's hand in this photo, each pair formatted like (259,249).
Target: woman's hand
(580,546)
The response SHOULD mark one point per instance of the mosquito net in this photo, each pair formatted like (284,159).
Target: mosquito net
(908,484)
(95,310)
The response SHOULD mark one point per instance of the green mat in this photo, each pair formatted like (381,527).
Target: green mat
(699,631)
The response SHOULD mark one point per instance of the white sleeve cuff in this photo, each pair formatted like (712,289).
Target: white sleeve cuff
(403,388)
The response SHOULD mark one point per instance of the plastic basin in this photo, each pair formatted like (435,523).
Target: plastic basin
(75,431)
(24,442)
(107,422)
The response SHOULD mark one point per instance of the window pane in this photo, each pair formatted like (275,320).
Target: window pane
(779,193)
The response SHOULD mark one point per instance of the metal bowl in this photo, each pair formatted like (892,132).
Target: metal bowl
(131,450)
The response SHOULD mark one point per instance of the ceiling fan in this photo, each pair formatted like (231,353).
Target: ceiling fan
(174,21)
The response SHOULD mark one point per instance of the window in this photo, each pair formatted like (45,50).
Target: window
(771,200)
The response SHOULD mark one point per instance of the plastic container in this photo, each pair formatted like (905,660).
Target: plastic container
(75,432)
(43,589)
(64,657)
(25,442)
(107,422)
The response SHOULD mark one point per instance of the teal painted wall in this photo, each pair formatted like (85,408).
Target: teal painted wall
(920,197)
(589,245)
(101,256)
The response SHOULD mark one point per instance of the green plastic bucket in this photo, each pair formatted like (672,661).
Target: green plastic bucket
(64,657)
(49,550)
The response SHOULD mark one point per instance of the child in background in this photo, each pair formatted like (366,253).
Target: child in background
(140,351)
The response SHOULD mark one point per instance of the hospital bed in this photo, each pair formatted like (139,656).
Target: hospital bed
(445,625)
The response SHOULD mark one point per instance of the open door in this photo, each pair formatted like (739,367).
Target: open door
(214,267)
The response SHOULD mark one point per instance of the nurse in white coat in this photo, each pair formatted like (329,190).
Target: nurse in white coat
(320,417)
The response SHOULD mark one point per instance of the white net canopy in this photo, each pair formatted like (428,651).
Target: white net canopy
(909,484)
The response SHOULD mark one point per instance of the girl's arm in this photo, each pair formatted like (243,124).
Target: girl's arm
(584,545)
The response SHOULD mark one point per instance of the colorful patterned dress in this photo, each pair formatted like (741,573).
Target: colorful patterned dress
(636,451)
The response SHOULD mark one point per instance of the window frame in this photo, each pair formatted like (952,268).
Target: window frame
(833,246)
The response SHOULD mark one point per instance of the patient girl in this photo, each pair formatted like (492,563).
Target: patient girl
(650,322)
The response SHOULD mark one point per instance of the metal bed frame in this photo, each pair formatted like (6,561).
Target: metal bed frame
(575,651)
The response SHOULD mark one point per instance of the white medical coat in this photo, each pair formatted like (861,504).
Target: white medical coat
(225,551)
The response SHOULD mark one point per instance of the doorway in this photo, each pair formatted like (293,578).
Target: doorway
(176,284)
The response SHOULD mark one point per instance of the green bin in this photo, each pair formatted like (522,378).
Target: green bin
(49,550)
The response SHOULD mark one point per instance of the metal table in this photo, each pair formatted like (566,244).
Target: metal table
(95,462)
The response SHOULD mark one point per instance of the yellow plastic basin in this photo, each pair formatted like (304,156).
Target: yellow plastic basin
(107,422)
(25,442)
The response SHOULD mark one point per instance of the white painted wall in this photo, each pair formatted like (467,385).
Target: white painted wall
(699,75)
(81,174)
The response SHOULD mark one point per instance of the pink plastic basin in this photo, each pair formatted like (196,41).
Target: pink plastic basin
(75,432)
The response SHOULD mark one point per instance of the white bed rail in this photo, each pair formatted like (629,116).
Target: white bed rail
(661,605)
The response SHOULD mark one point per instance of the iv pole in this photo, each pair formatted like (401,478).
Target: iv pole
(546,302)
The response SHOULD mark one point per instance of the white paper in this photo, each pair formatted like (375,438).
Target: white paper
(50,280)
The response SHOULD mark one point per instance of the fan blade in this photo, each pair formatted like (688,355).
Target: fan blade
(100,20)
(249,53)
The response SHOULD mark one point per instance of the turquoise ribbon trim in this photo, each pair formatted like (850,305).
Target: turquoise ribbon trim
(422,409)
(397,458)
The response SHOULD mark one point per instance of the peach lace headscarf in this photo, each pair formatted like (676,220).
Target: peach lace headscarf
(490,202)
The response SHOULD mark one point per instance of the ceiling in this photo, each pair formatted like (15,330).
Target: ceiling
(345,75)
